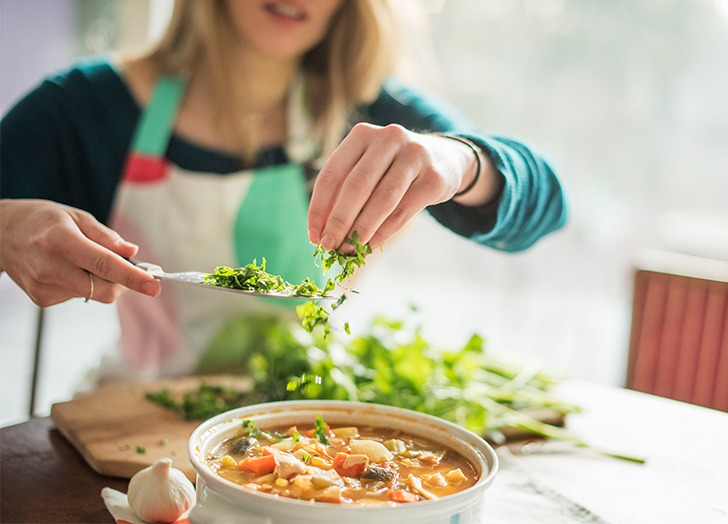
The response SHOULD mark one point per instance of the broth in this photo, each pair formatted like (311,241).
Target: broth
(341,465)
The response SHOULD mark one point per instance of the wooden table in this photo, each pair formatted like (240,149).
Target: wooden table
(44,480)
(685,480)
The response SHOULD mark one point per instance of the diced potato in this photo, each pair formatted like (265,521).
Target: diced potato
(227,460)
(435,481)
(396,446)
(285,445)
(330,494)
(375,451)
(300,454)
(321,481)
(302,482)
(345,432)
(265,479)
(455,477)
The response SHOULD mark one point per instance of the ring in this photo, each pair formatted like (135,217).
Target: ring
(91,279)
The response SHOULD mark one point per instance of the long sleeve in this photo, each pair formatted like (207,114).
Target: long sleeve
(66,140)
(531,203)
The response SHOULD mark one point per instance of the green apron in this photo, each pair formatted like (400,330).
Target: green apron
(185,220)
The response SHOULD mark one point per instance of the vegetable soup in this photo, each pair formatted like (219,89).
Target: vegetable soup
(341,465)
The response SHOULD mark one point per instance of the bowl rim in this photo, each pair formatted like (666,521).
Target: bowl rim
(484,451)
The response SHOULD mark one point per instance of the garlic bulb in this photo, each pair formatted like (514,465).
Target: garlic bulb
(160,493)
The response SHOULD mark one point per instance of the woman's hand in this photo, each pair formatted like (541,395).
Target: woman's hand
(380,177)
(49,250)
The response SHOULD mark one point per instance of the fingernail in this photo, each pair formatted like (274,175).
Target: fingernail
(314,236)
(123,242)
(150,289)
(328,242)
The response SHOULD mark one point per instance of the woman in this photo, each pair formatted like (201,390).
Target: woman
(204,152)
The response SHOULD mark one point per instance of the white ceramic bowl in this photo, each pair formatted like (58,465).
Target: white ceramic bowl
(220,501)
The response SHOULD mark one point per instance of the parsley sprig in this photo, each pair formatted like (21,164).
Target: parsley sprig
(253,277)
(348,261)
(310,313)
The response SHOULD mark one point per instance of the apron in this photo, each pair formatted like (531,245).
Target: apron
(183,221)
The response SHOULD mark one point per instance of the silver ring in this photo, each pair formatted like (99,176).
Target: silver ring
(91,279)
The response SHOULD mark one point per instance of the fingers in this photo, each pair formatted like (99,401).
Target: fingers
(407,208)
(327,188)
(107,237)
(362,183)
(386,202)
(49,250)
(95,248)
(65,281)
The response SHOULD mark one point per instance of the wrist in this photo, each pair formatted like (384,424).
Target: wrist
(470,176)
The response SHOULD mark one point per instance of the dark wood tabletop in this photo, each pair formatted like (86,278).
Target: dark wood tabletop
(43,479)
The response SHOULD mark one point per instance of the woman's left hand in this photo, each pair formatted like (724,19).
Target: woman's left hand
(380,177)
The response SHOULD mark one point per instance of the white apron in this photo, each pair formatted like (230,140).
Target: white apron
(184,221)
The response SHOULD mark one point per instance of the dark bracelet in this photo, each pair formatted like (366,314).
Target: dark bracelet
(475,150)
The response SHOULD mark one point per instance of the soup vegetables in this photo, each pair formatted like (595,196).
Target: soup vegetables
(343,465)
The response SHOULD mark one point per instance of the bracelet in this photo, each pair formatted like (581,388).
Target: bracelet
(475,150)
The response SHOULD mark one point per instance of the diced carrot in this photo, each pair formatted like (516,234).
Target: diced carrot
(351,471)
(261,465)
(401,496)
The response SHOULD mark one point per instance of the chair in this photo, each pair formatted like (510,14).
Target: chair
(679,337)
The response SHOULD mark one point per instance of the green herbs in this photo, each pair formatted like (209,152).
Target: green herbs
(255,278)
(320,432)
(348,262)
(392,364)
(313,315)
(200,404)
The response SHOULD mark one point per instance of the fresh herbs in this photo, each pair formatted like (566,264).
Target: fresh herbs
(312,315)
(348,261)
(200,404)
(392,364)
(319,432)
(255,278)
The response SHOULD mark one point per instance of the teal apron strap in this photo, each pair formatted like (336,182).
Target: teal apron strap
(155,127)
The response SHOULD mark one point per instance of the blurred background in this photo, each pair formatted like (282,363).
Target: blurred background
(628,99)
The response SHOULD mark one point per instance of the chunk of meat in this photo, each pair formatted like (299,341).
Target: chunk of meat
(287,466)
(435,481)
(428,458)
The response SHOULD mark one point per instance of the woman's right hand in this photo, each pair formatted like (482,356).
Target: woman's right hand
(50,249)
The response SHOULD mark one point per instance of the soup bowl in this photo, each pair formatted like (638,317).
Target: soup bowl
(220,501)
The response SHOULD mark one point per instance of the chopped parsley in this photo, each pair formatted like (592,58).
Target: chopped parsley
(320,432)
(252,277)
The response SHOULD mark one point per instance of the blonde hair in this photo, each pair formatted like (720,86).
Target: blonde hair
(342,71)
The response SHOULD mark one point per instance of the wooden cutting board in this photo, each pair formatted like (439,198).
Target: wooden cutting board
(118,431)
